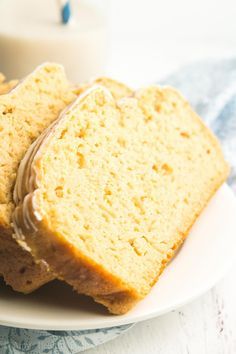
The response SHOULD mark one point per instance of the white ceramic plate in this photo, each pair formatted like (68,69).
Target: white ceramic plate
(204,258)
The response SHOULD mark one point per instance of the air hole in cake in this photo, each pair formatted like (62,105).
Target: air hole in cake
(155,168)
(107,191)
(139,245)
(138,204)
(148,118)
(185,135)
(131,242)
(167,169)
(63,133)
(59,192)
(208,151)
(81,160)
(8,110)
(28,282)
(80,134)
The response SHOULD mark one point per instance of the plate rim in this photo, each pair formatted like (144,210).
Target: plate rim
(123,319)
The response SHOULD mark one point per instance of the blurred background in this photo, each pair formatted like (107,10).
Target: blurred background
(147,39)
(151,38)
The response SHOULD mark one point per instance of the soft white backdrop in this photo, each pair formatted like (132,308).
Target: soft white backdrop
(149,39)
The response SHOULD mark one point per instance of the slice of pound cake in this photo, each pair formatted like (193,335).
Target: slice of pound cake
(24,113)
(109,192)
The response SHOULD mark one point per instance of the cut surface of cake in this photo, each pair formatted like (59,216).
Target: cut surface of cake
(24,113)
(37,101)
(109,192)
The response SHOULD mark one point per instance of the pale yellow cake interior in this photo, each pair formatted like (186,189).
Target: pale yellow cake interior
(123,181)
(24,113)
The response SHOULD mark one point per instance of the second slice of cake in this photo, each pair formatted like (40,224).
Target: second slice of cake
(25,112)
(109,192)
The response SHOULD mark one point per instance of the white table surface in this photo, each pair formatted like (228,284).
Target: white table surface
(208,325)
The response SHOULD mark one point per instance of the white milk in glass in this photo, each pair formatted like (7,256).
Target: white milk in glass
(31,33)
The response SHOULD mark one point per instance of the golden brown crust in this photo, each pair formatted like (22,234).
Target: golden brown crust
(19,267)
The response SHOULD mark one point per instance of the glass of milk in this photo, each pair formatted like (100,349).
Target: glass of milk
(31,32)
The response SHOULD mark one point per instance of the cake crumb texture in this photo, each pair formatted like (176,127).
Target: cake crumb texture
(25,112)
(119,185)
